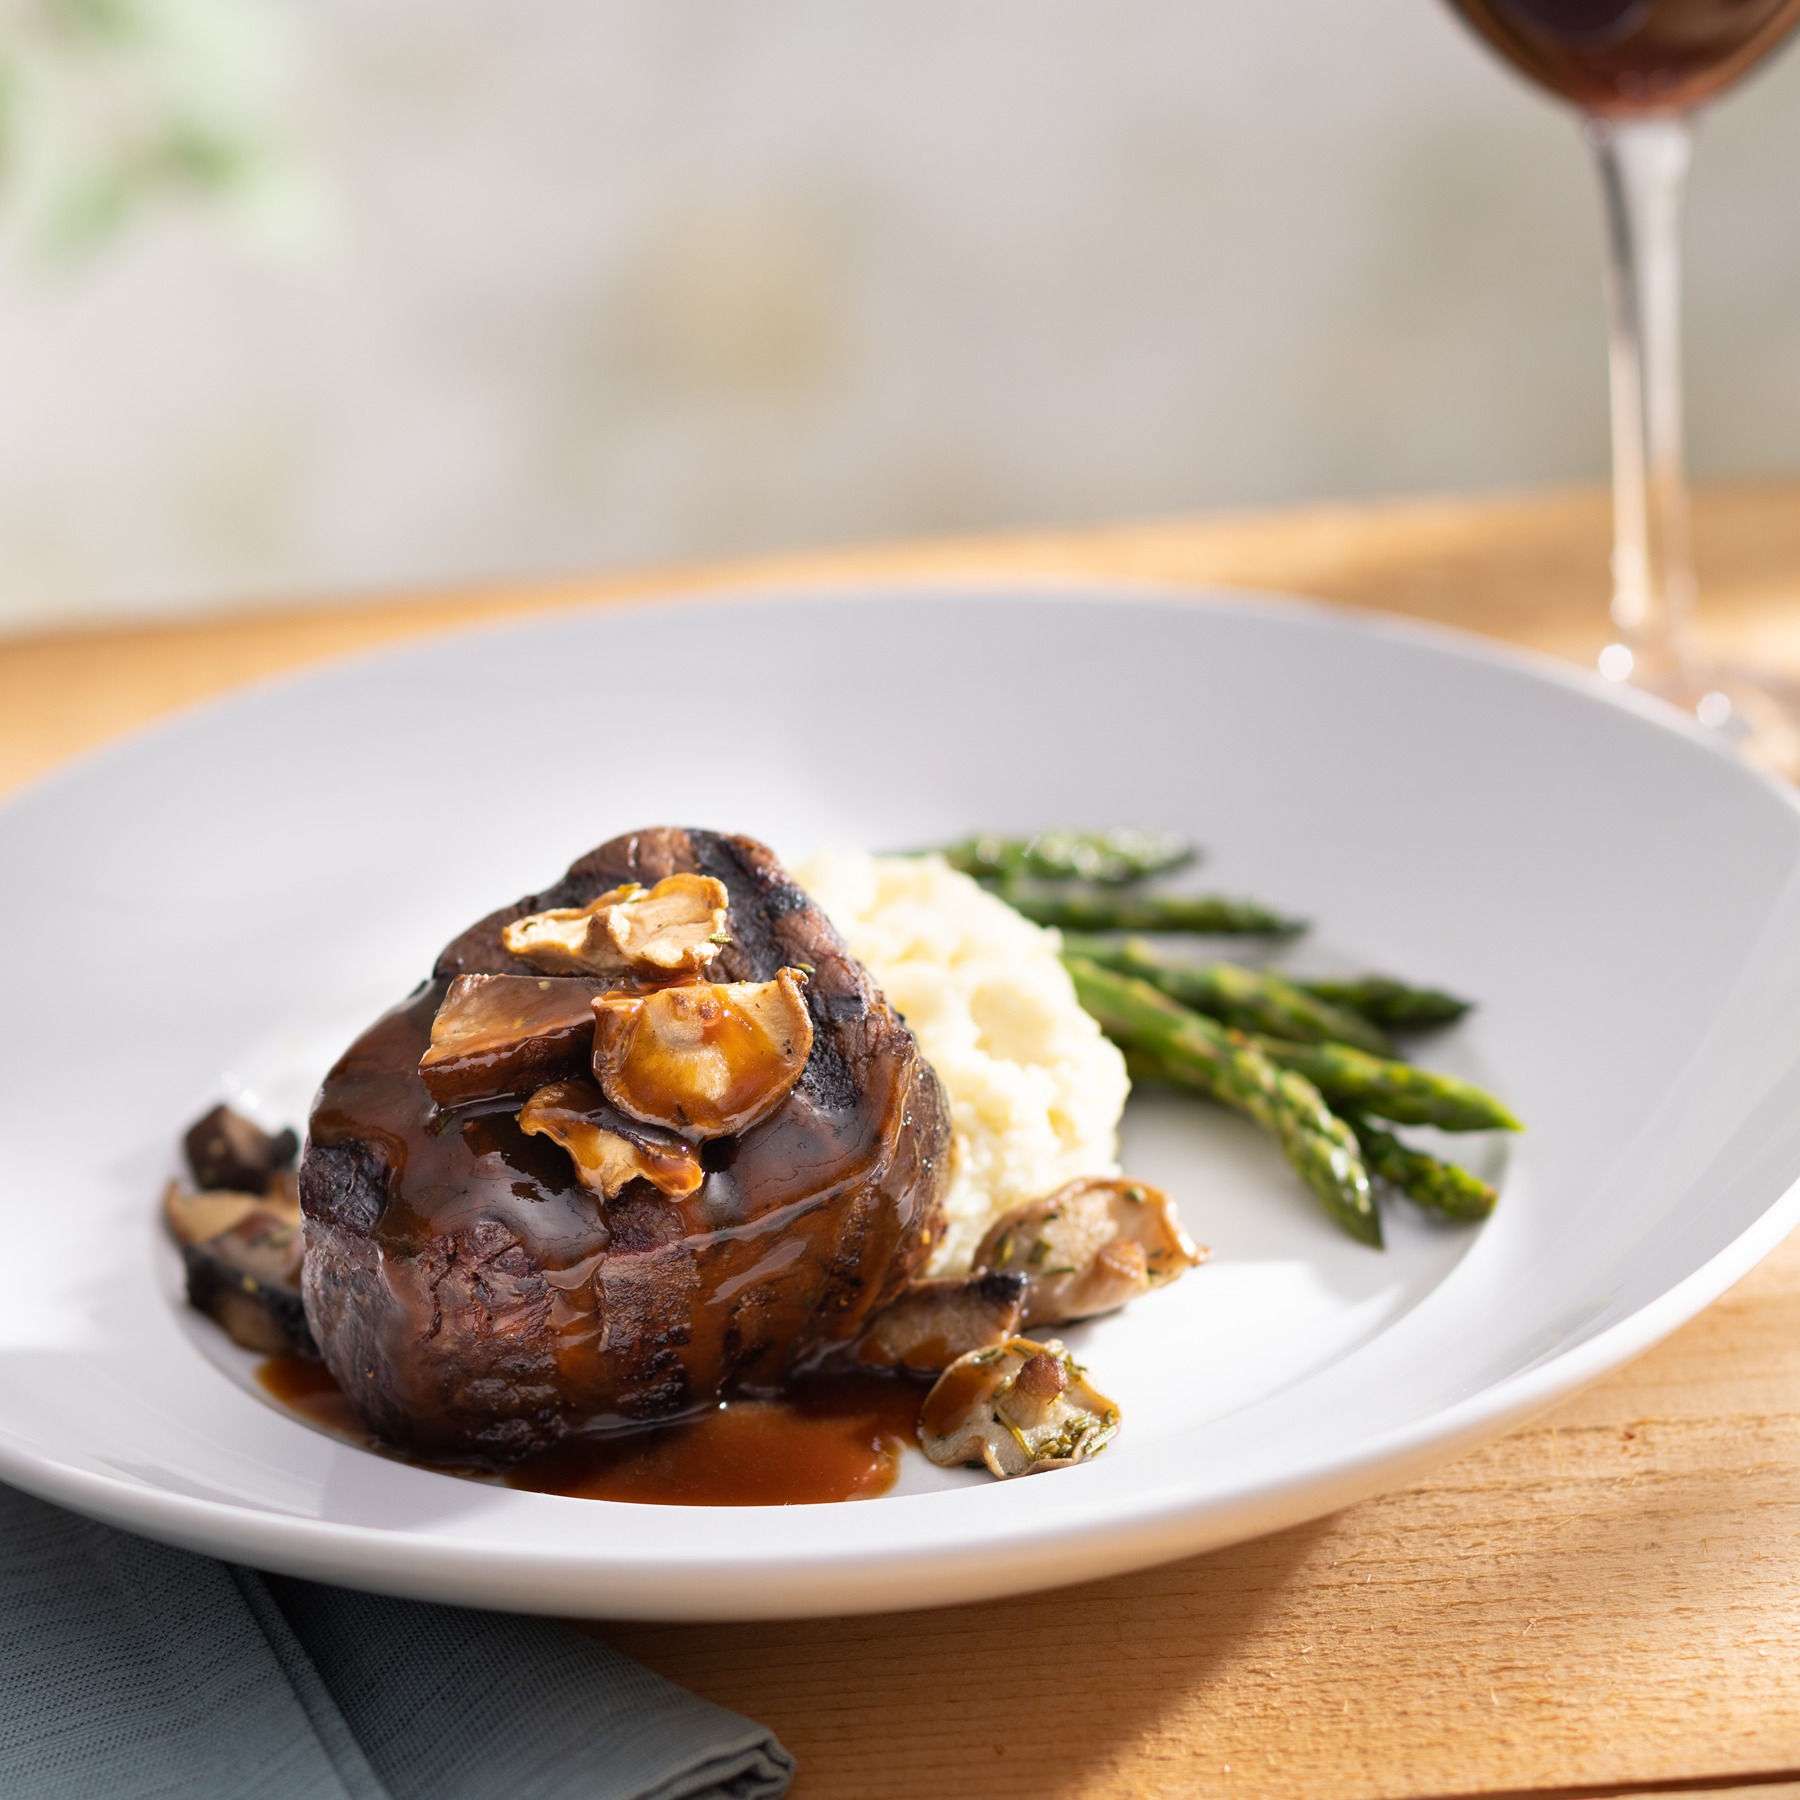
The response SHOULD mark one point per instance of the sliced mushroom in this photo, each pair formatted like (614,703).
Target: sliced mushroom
(1090,1247)
(507,1034)
(608,1149)
(674,928)
(193,1217)
(226,1150)
(935,1322)
(1018,1408)
(247,1277)
(705,1060)
(570,940)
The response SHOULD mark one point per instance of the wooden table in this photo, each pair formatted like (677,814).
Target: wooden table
(1605,1603)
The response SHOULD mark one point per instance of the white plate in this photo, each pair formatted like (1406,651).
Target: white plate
(218,905)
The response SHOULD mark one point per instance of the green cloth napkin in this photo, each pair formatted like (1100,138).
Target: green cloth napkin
(129,1671)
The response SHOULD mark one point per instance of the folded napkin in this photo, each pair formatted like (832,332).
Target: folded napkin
(130,1671)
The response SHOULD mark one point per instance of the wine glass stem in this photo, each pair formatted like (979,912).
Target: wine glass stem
(1643,166)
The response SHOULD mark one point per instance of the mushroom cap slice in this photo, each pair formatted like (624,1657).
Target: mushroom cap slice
(227,1151)
(1090,1247)
(496,1035)
(1016,1409)
(673,929)
(608,1149)
(247,1278)
(707,1060)
(936,1321)
(556,941)
(193,1216)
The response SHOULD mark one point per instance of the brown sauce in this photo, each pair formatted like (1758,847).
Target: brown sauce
(954,1397)
(826,1439)
(838,1439)
(307,1388)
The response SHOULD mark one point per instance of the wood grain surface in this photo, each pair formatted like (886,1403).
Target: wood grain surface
(1605,1603)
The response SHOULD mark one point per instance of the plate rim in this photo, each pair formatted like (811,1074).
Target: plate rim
(831,590)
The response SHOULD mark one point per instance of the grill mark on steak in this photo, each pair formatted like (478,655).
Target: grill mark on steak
(345,1183)
(749,870)
(472,1298)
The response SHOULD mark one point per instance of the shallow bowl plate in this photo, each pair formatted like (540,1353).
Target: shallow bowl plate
(216,906)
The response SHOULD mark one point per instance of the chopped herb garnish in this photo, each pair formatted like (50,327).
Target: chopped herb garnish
(1018,1437)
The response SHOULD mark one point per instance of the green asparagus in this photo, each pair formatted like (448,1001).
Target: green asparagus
(1391,1003)
(1250,999)
(1441,1187)
(1429,1182)
(1200,1053)
(1111,857)
(1395,1091)
(1111,911)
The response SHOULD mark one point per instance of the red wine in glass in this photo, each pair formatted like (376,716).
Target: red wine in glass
(1636,69)
(1626,56)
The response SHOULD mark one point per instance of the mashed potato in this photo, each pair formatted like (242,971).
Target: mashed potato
(1035,1090)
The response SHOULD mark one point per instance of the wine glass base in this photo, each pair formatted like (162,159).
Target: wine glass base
(1754,711)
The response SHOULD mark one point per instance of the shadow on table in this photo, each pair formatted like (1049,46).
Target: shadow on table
(1036,1696)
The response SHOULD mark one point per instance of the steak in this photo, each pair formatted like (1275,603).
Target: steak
(474,1299)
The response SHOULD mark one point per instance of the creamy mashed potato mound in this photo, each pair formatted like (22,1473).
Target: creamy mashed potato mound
(1035,1089)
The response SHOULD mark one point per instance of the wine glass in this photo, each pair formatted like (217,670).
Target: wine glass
(1637,69)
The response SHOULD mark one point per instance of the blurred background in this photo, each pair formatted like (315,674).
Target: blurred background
(359,295)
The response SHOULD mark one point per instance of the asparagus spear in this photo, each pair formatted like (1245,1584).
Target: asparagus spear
(1200,1053)
(1102,911)
(1392,1003)
(1390,1090)
(1250,999)
(1441,1186)
(1112,857)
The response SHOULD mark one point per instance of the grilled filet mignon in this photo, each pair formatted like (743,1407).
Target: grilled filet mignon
(474,1299)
